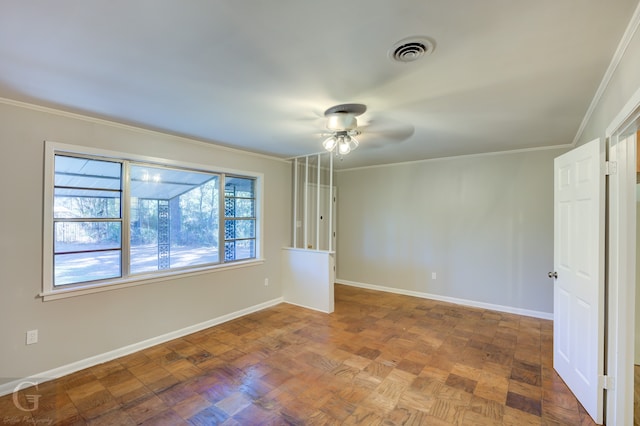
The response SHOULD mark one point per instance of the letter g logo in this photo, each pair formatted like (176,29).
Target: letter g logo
(32,400)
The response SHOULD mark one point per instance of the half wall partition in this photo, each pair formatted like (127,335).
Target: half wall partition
(309,264)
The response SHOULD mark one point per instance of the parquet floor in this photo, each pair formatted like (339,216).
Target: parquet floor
(380,359)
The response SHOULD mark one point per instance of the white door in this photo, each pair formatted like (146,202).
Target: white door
(578,307)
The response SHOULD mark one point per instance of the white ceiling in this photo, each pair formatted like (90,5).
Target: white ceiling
(257,75)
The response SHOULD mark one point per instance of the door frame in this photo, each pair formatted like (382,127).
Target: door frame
(621,264)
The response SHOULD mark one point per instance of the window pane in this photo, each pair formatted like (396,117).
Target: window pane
(86,173)
(174,218)
(239,187)
(239,207)
(86,189)
(237,250)
(86,236)
(239,203)
(83,267)
(150,257)
(159,183)
(82,203)
(235,229)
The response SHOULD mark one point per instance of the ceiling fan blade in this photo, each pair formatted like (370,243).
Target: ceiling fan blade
(385,131)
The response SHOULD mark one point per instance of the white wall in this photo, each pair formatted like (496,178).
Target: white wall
(483,224)
(76,328)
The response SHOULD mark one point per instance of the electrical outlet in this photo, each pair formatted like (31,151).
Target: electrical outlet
(32,337)
(266,282)
(433,275)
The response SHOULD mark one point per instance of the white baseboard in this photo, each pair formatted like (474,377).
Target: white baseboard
(7,388)
(306,307)
(464,302)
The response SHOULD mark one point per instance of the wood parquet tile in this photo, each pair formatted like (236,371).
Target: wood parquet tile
(379,359)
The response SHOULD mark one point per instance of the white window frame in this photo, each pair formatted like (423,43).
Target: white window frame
(223,227)
(49,292)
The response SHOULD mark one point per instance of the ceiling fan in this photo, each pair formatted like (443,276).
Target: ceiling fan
(343,125)
(341,121)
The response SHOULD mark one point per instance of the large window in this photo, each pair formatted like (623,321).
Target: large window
(114,219)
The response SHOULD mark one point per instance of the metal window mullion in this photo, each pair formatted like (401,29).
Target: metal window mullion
(221,218)
(330,202)
(125,208)
(69,174)
(240,197)
(88,251)
(295,203)
(306,202)
(318,205)
(87,219)
(85,188)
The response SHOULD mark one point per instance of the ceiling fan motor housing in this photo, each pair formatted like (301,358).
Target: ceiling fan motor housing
(341,121)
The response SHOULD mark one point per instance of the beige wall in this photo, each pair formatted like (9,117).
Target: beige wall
(483,224)
(76,328)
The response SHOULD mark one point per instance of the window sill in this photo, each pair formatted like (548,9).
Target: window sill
(82,289)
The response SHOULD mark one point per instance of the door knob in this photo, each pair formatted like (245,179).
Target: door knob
(553,275)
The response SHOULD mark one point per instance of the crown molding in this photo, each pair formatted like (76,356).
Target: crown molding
(634,23)
(115,124)
(458,157)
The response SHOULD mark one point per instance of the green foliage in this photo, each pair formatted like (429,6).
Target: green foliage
(197,221)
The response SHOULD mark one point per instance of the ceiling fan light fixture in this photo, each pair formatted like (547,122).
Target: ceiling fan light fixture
(342,122)
(343,148)
(330,143)
(353,143)
(341,142)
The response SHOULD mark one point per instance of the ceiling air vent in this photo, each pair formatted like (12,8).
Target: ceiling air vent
(410,49)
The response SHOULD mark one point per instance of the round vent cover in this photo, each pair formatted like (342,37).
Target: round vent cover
(411,49)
